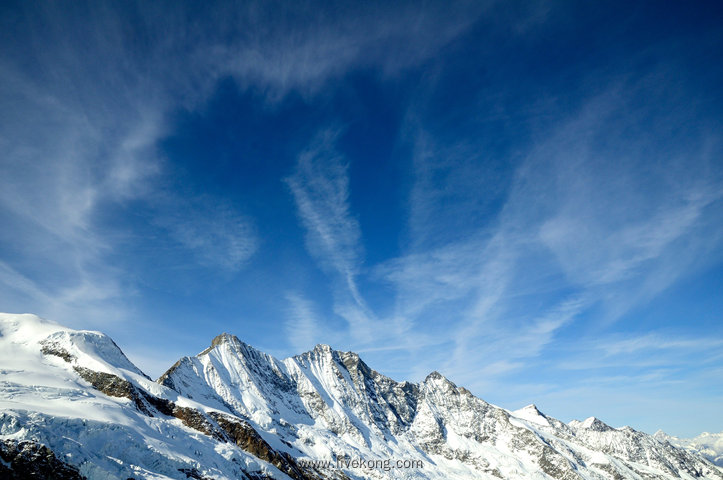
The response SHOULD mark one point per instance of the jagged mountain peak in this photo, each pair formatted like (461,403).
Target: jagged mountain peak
(233,409)
(531,409)
(323,348)
(232,345)
(532,414)
(591,423)
(320,352)
(225,338)
(72,406)
(348,360)
(437,379)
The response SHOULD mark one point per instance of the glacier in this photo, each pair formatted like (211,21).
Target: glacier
(72,405)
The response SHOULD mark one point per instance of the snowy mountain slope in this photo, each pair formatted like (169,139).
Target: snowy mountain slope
(324,402)
(73,406)
(76,394)
(708,445)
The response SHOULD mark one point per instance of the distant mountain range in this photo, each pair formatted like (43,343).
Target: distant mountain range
(73,406)
(709,445)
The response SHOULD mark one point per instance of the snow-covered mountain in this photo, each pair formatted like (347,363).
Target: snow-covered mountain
(73,406)
(709,445)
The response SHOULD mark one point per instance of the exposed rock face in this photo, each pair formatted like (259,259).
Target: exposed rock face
(114,386)
(27,459)
(54,349)
(303,398)
(193,473)
(74,406)
(219,426)
(246,437)
(215,424)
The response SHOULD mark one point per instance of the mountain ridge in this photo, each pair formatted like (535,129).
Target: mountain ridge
(707,444)
(233,411)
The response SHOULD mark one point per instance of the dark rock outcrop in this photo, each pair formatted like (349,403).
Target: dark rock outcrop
(246,437)
(28,460)
(221,427)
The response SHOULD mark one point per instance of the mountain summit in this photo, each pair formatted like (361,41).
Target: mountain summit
(73,406)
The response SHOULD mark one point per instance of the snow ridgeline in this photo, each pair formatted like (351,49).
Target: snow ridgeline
(234,412)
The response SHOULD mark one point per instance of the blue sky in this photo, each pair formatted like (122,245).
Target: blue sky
(524,196)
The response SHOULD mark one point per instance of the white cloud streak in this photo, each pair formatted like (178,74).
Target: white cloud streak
(84,114)
(589,219)
(323,45)
(302,326)
(320,187)
(87,93)
(211,229)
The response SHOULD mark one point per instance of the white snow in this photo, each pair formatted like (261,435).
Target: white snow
(42,398)
(531,414)
(709,445)
(315,406)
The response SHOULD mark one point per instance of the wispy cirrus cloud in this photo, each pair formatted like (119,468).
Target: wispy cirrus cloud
(301,325)
(427,278)
(540,210)
(304,327)
(80,141)
(89,93)
(54,175)
(487,285)
(653,349)
(320,187)
(642,376)
(99,121)
(587,230)
(312,46)
(215,233)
